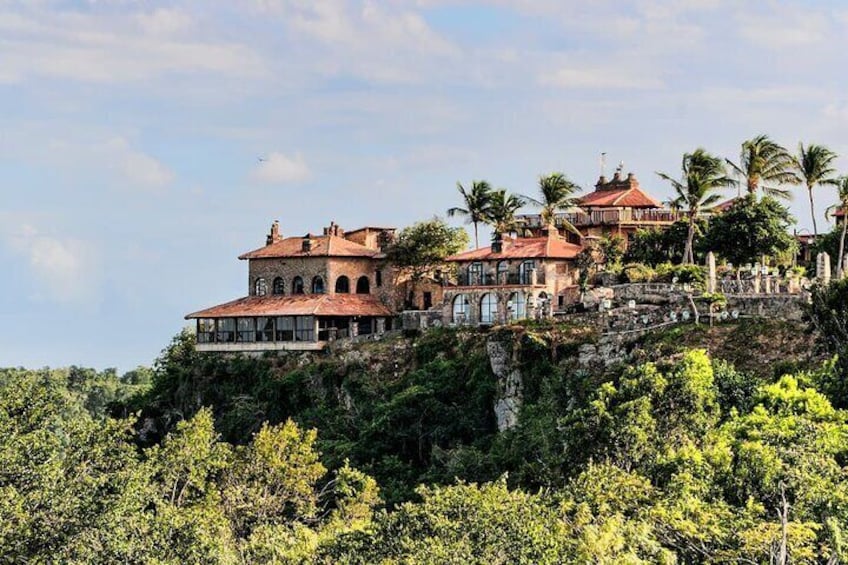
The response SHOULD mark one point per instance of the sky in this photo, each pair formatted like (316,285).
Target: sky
(144,145)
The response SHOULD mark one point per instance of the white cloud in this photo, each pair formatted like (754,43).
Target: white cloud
(575,77)
(278,168)
(164,21)
(135,166)
(63,269)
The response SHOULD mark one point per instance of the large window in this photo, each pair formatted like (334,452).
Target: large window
(260,288)
(285,329)
(264,329)
(279,286)
(525,270)
(460,309)
(363,285)
(246,329)
(297,285)
(488,308)
(342,285)
(475,273)
(226,330)
(205,330)
(517,306)
(317,285)
(304,329)
(503,272)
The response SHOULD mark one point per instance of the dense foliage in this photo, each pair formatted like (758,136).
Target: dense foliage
(685,459)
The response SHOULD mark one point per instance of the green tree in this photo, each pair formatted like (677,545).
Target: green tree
(814,165)
(703,175)
(841,205)
(749,229)
(501,214)
(556,192)
(765,166)
(477,202)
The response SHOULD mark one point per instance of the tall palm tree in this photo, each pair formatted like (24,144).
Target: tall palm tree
(765,165)
(556,193)
(703,175)
(502,209)
(842,204)
(477,201)
(814,166)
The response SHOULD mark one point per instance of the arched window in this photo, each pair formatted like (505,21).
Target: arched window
(517,306)
(524,271)
(279,286)
(342,285)
(363,285)
(503,272)
(475,273)
(317,285)
(297,285)
(260,288)
(460,309)
(488,308)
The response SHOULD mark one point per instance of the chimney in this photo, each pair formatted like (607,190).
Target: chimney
(497,245)
(275,235)
(307,243)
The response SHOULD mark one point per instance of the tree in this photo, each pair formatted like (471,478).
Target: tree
(502,209)
(653,246)
(765,165)
(703,175)
(842,205)
(422,247)
(749,229)
(477,203)
(556,193)
(814,167)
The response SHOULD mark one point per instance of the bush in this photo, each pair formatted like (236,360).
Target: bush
(637,273)
(667,272)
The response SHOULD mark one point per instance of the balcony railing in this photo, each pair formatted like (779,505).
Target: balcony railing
(607,217)
(501,279)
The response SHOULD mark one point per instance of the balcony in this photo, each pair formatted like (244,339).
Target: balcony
(615,217)
(503,279)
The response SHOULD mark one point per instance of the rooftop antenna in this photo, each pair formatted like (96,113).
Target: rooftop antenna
(620,167)
(603,163)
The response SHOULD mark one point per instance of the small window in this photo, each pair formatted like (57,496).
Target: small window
(378,278)
(260,288)
(279,286)
(460,309)
(297,285)
(342,285)
(503,272)
(428,300)
(525,271)
(317,285)
(488,308)
(363,285)
(517,306)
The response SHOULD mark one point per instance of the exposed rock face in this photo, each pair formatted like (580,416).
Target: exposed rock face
(510,389)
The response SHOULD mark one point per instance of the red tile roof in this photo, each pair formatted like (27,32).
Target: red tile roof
(723,206)
(839,212)
(322,246)
(633,197)
(297,305)
(523,248)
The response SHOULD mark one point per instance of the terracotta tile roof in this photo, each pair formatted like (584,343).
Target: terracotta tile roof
(297,305)
(322,246)
(723,206)
(633,197)
(523,248)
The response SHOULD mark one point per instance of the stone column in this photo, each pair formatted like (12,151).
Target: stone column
(711,272)
(823,268)
(381,326)
(757,278)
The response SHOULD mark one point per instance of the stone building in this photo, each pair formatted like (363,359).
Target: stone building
(616,207)
(513,279)
(303,292)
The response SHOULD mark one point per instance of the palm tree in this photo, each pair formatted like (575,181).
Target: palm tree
(477,202)
(556,193)
(813,165)
(765,165)
(842,194)
(703,175)
(502,209)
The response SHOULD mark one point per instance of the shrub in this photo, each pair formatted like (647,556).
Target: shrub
(667,272)
(637,273)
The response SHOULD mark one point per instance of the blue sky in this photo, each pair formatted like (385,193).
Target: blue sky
(131,130)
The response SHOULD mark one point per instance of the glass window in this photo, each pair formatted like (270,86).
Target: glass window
(264,329)
(342,285)
(297,285)
(460,309)
(475,273)
(488,308)
(205,330)
(226,330)
(503,272)
(304,328)
(246,330)
(524,271)
(363,285)
(518,306)
(317,285)
(279,286)
(284,329)
(260,288)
